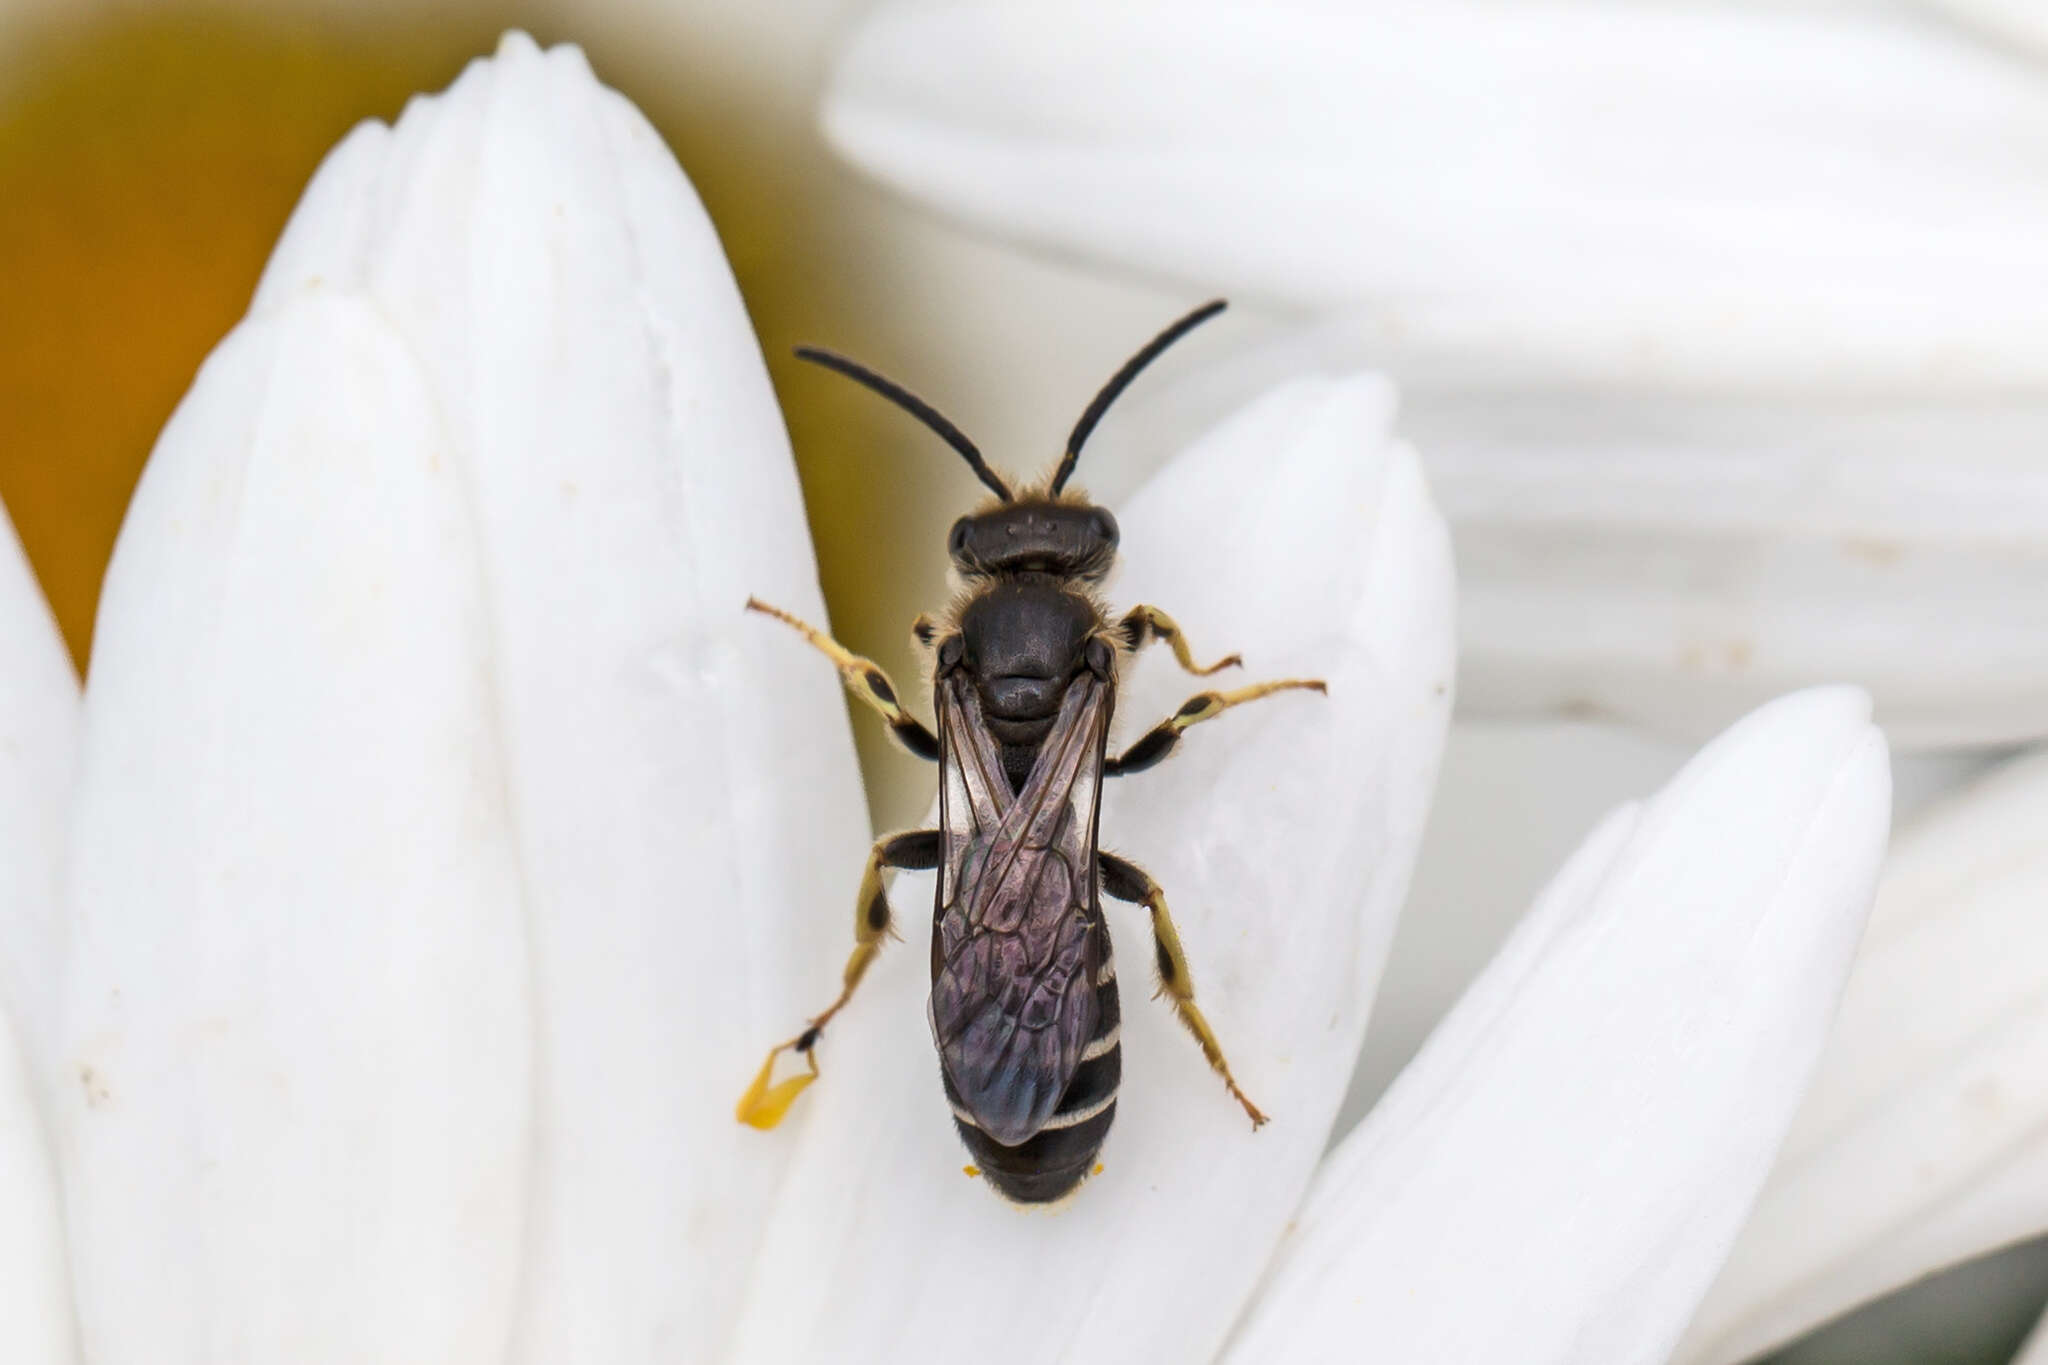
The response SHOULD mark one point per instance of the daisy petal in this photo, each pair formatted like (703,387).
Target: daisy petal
(299,1025)
(1672,561)
(1921,1143)
(1300,533)
(1657,195)
(682,775)
(38,753)
(675,782)
(1561,1170)
(35,1289)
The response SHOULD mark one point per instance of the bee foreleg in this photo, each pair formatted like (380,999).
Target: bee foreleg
(865,679)
(1142,625)
(1160,740)
(764,1104)
(1128,882)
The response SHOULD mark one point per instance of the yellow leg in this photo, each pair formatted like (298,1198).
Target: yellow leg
(864,678)
(1142,625)
(1160,740)
(767,1100)
(1129,882)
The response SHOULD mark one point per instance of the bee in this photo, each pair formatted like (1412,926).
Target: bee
(1025,672)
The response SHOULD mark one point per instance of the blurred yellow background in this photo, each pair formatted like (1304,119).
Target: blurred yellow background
(150,154)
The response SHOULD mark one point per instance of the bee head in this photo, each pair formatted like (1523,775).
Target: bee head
(1068,539)
(1040,531)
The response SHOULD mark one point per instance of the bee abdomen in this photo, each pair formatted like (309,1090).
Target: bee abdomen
(1048,1165)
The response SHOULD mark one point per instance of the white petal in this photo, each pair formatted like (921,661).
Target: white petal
(683,779)
(1648,194)
(1922,1142)
(300,1020)
(1671,561)
(674,777)
(38,752)
(1526,792)
(35,1287)
(1562,1169)
(1300,533)
(38,755)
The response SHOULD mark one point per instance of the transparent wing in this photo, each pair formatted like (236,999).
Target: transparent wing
(1014,949)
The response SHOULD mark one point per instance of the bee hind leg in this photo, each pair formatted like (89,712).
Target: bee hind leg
(1128,882)
(767,1100)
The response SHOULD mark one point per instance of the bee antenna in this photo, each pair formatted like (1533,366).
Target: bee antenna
(915,406)
(1121,380)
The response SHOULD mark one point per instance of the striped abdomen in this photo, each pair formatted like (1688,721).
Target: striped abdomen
(1051,1162)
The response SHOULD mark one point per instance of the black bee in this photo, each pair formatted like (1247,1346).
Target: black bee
(1024,1003)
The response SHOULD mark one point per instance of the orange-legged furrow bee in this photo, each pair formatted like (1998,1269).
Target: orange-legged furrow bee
(1023,1005)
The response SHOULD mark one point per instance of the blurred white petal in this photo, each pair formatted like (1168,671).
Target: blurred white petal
(1673,560)
(501,808)
(1925,1139)
(1671,563)
(1301,533)
(1646,194)
(1562,1169)
(35,1289)
(38,755)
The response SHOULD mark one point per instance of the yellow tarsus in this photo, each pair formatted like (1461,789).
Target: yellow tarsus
(764,1105)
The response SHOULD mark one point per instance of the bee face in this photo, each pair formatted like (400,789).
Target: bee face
(1067,540)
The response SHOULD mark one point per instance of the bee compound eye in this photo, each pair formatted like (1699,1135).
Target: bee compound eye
(1104,525)
(956,539)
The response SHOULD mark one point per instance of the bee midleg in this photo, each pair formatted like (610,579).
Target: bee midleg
(1160,740)
(763,1104)
(1142,625)
(865,679)
(1128,882)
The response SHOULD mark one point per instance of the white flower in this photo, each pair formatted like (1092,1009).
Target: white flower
(1716,325)
(447,842)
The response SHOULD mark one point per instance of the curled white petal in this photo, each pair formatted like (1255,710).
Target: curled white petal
(1924,1141)
(1300,533)
(38,753)
(1560,1172)
(661,787)
(1695,196)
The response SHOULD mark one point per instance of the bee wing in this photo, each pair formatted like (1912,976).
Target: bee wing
(1015,950)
